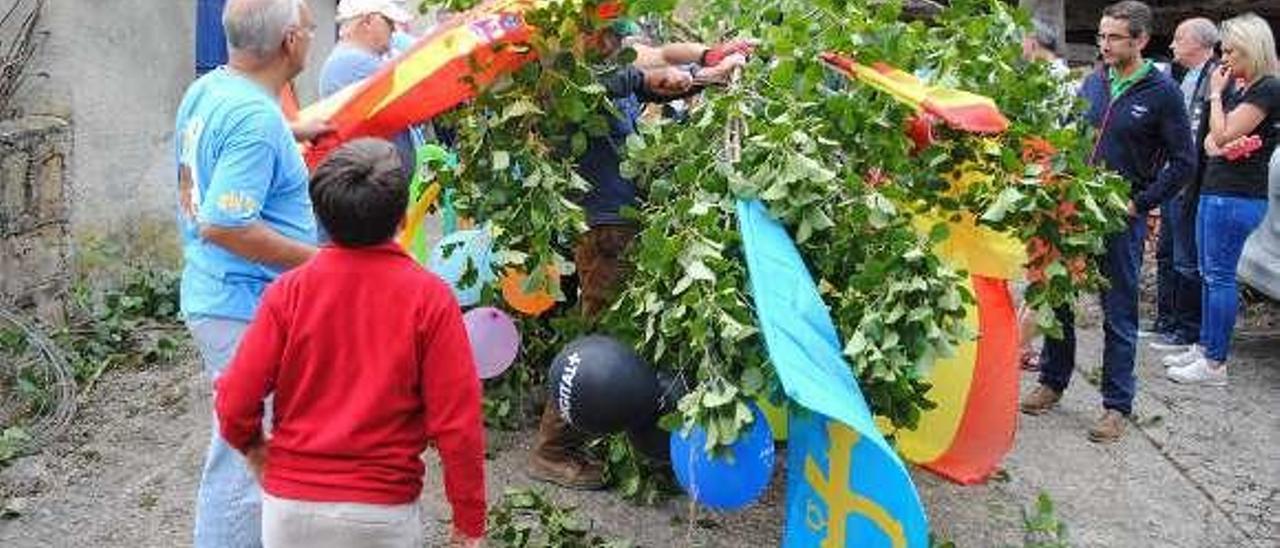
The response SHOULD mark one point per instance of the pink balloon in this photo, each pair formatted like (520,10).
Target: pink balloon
(494,340)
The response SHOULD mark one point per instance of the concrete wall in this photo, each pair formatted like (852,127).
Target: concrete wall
(117,69)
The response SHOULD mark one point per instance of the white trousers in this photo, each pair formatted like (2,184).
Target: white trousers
(303,524)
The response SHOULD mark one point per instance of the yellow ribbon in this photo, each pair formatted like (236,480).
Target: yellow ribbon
(417,214)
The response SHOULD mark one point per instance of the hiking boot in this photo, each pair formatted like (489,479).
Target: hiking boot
(557,455)
(1109,428)
(1040,400)
(1195,352)
(1201,371)
(572,471)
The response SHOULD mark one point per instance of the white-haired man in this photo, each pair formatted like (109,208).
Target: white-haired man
(244,215)
(1178,284)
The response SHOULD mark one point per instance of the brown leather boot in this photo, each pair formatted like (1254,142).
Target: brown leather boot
(1040,400)
(1109,428)
(557,455)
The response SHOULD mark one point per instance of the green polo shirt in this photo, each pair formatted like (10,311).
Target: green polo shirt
(1119,84)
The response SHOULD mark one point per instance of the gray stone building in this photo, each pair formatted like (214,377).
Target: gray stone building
(87,149)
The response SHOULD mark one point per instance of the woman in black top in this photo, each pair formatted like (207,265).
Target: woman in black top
(1244,126)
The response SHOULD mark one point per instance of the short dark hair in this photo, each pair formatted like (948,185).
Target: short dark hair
(1136,13)
(360,192)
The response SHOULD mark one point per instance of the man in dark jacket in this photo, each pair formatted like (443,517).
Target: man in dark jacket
(1177,276)
(1143,134)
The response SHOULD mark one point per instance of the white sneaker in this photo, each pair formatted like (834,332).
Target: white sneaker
(1200,371)
(1196,352)
(1169,343)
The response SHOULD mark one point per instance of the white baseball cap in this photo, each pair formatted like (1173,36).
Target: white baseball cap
(391,9)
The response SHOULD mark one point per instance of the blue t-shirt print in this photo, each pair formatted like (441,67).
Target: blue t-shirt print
(237,165)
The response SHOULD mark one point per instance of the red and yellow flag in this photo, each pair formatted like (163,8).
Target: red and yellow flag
(976,390)
(961,110)
(444,69)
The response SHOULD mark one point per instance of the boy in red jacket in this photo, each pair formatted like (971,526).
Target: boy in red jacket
(367,358)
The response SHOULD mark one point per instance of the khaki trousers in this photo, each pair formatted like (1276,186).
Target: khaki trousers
(598,259)
(303,524)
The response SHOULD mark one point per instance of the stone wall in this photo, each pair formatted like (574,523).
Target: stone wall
(35,153)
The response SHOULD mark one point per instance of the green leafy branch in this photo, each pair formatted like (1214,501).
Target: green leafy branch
(528,519)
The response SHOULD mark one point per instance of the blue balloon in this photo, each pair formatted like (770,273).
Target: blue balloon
(717,482)
(463,246)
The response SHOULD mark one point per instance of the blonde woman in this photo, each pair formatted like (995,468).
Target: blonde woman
(1244,126)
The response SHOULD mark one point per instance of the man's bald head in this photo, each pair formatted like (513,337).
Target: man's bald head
(258,27)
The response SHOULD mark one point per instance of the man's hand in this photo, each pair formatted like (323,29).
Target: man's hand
(1133,210)
(256,457)
(719,52)
(720,73)
(460,540)
(667,81)
(307,130)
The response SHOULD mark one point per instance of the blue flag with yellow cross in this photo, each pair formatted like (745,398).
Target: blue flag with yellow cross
(845,485)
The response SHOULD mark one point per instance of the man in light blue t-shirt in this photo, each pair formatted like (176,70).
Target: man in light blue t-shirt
(365,30)
(244,215)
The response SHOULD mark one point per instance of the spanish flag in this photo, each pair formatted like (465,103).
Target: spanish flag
(444,69)
(965,437)
(976,391)
(961,110)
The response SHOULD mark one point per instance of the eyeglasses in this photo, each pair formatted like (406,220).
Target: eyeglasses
(1111,38)
(309,30)
(1226,50)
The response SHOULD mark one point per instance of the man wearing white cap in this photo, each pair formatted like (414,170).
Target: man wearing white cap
(364,39)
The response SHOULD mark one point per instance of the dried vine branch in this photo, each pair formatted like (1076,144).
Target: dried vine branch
(18,48)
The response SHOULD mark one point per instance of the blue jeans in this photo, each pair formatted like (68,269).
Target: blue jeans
(1178,274)
(1222,225)
(228,506)
(1120,264)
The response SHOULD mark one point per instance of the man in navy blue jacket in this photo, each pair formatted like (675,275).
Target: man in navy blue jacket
(1144,135)
(659,74)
